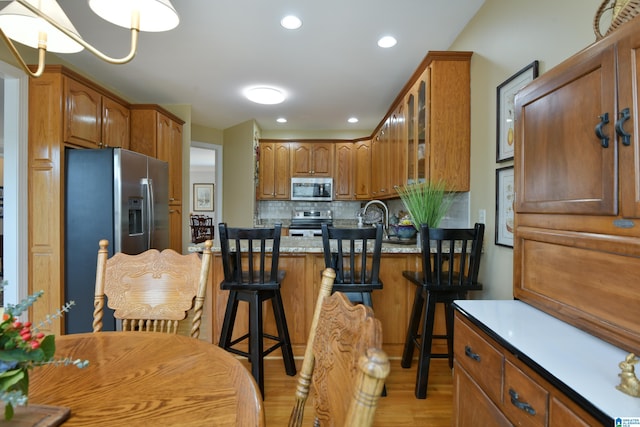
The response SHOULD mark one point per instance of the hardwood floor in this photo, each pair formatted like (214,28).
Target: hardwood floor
(398,408)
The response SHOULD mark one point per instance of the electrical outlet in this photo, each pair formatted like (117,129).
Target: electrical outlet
(482,216)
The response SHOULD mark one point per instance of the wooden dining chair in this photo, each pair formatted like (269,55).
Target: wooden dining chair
(343,360)
(152,291)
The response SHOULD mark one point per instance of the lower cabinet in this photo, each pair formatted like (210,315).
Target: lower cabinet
(392,304)
(493,387)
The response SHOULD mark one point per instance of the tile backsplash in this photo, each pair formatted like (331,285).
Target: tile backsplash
(345,212)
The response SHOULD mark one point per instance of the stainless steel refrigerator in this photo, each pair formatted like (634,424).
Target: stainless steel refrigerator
(112,194)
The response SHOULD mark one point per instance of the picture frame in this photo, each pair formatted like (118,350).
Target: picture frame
(506,92)
(203,197)
(505,199)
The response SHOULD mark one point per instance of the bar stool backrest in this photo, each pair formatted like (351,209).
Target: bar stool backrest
(255,243)
(456,259)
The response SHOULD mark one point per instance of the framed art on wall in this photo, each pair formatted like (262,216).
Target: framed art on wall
(506,110)
(203,197)
(504,206)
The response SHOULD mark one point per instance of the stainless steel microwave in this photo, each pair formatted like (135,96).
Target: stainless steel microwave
(312,189)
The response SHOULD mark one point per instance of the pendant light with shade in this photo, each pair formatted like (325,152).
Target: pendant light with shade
(43,25)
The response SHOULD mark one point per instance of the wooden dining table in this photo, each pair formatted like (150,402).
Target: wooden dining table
(150,379)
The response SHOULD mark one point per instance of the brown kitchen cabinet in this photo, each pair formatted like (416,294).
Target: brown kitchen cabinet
(494,387)
(344,171)
(438,111)
(158,133)
(362,184)
(273,171)
(577,191)
(380,163)
(59,101)
(93,120)
(311,159)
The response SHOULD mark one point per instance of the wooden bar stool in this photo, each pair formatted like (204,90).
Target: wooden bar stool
(254,284)
(447,275)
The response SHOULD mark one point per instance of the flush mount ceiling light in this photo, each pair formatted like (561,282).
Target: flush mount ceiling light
(291,22)
(264,95)
(352,120)
(387,42)
(281,120)
(43,25)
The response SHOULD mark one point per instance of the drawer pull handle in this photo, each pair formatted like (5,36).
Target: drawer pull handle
(520,405)
(469,353)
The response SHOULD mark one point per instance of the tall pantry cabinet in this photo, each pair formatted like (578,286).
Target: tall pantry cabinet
(65,110)
(158,133)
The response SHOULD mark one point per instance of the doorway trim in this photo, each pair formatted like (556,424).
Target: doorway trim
(218,180)
(15,205)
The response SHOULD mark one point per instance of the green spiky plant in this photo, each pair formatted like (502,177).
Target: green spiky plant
(427,202)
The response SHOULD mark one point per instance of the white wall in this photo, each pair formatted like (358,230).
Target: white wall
(505,36)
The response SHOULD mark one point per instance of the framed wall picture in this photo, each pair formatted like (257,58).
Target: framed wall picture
(504,206)
(203,197)
(505,132)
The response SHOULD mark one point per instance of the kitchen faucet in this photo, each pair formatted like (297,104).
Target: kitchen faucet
(386,214)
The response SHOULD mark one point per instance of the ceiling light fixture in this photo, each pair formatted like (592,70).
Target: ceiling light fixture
(291,22)
(352,120)
(387,42)
(43,25)
(264,95)
(281,120)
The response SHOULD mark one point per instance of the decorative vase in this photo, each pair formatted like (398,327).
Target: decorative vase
(406,232)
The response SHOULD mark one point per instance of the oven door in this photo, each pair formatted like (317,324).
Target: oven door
(306,232)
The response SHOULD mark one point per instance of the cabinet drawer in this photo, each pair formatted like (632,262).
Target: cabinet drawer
(472,407)
(481,360)
(525,401)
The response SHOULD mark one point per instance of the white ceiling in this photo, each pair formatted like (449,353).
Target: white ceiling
(331,68)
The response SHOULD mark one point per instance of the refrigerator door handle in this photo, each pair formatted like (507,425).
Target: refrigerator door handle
(148,183)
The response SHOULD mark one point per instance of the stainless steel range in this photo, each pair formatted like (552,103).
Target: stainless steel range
(309,223)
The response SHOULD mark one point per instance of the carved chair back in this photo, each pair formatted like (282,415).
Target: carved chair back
(343,360)
(152,291)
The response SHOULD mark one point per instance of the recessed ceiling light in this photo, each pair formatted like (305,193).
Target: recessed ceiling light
(264,95)
(291,22)
(281,120)
(353,120)
(387,41)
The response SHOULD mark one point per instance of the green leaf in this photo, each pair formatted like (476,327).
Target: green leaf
(48,346)
(11,378)
(8,411)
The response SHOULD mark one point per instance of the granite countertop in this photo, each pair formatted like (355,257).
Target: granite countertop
(290,244)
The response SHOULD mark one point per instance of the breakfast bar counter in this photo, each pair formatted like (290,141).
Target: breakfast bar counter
(302,259)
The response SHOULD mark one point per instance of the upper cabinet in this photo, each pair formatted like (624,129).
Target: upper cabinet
(362,160)
(158,133)
(92,119)
(344,171)
(273,171)
(311,158)
(438,121)
(577,188)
